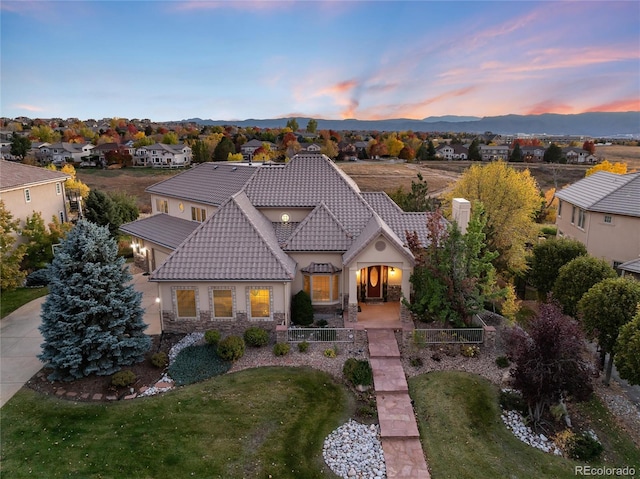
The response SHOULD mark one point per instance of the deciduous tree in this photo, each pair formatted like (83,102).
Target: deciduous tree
(547,360)
(91,320)
(619,168)
(589,146)
(312,125)
(11,276)
(604,309)
(511,199)
(576,278)
(20,145)
(547,259)
(293,124)
(628,350)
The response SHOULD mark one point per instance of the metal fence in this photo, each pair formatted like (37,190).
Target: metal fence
(320,335)
(447,336)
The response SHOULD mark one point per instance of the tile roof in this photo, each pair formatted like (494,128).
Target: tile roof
(236,243)
(319,231)
(306,181)
(317,268)
(605,192)
(207,183)
(162,229)
(16,175)
(632,266)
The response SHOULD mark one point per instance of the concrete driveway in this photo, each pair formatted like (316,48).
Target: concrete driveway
(20,339)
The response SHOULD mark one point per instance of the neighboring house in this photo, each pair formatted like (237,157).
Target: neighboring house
(160,155)
(494,152)
(25,189)
(532,154)
(58,153)
(631,269)
(249,148)
(230,244)
(602,211)
(452,152)
(578,155)
(313,148)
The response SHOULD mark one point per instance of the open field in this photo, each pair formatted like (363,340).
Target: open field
(627,154)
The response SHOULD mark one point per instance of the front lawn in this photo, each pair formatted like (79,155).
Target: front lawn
(463,436)
(258,423)
(12,300)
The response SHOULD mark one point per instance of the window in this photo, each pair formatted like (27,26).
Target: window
(185,302)
(581,216)
(322,288)
(222,301)
(260,303)
(61,213)
(198,214)
(27,195)
(162,206)
(560,208)
(608,219)
(58,189)
(573,215)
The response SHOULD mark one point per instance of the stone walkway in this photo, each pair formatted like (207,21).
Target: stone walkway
(398,428)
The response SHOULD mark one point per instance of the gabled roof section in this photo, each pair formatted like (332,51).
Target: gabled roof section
(16,175)
(319,231)
(207,183)
(605,192)
(374,229)
(237,243)
(306,181)
(632,266)
(161,229)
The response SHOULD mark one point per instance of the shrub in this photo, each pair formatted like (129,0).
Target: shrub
(39,277)
(303,347)
(231,348)
(123,378)
(212,337)
(321,323)
(256,337)
(330,353)
(160,360)
(585,447)
(301,309)
(469,351)
(197,363)
(502,362)
(357,372)
(416,362)
(281,349)
(511,400)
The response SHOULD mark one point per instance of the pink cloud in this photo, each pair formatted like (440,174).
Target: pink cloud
(28,107)
(244,5)
(625,104)
(550,106)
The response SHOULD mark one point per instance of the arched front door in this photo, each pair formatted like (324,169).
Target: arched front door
(374,282)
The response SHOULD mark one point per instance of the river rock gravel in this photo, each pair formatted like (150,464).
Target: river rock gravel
(354,451)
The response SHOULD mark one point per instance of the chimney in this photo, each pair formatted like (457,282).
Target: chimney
(461,213)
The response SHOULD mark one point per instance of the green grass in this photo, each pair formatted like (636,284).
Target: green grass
(259,423)
(12,300)
(463,436)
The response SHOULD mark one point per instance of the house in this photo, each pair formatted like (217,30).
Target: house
(312,148)
(27,189)
(160,155)
(578,155)
(229,244)
(250,147)
(631,269)
(602,211)
(494,152)
(532,154)
(452,152)
(58,153)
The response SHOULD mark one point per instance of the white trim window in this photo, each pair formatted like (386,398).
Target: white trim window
(323,288)
(27,195)
(198,214)
(58,189)
(162,206)
(581,218)
(185,302)
(222,302)
(260,303)
(608,219)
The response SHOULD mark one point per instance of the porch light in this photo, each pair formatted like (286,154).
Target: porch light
(393,271)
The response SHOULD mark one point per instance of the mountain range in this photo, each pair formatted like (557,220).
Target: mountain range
(595,124)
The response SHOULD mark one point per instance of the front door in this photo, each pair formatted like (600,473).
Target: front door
(373,285)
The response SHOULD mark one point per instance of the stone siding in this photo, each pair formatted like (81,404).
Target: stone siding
(226,327)
(394,293)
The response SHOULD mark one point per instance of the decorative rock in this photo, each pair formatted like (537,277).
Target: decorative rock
(130,396)
(97,397)
(354,451)
(514,421)
(84,396)
(111,398)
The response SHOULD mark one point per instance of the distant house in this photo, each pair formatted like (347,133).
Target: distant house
(27,189)
(250,147)
(532,154)
(452,152)
(494,152)
(229,244)
(59,153)
(160,155)
(631,269)
(578,155)
(311,148)
(602,211)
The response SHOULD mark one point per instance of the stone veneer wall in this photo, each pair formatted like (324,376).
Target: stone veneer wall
(141,262)
(394,292)
(405,314)
(353,313)
(204,323)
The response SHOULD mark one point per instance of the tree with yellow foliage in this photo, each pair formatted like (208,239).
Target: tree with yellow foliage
(618,168)
(511,199)
(74,184)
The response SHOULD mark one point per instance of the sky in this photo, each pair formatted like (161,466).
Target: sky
(236,60)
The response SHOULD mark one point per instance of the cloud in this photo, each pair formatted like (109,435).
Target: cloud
(625,104)
(241,5)
(550,106)
(26,107)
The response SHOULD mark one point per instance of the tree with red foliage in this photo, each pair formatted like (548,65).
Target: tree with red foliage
(548,360)
(118,157)
(288,138)
(590,147)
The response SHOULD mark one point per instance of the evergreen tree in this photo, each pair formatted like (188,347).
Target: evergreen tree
(516,154)
(423,153)
(312,125)
(474,151)
(223,149)
(553,154)
(547,259)
(11,256)
(431,151)
(293,124)
(20,145)
(102,210)
(91,319)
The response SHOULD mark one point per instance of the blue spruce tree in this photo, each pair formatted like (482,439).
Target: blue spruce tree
(91,319)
